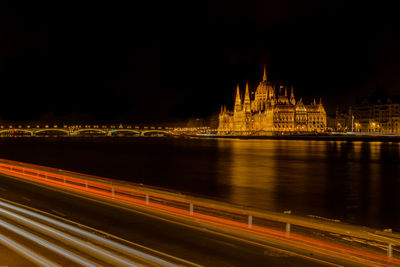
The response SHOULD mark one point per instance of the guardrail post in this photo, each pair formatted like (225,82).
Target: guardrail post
(389,252)
(64,180)
(191,209)
(287,224)
(86,185)
(147,200)
(112,191)
(250,221)
(287,229)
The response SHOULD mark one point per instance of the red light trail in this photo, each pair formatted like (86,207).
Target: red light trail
(181,208)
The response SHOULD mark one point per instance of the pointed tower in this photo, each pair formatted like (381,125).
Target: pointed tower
(271,93)
(246,104)
(314,103)
(292,100)
(265,74)
(238,101)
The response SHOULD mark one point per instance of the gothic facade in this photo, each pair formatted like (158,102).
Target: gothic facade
(267,112)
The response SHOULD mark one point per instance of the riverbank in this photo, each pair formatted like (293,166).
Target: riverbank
(347,137)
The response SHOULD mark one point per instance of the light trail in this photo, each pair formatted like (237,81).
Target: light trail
(167,204)
(85,234)
(20,220)
(27,253)
(65,238)
(50,246)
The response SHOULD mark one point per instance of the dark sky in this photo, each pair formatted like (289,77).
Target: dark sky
(160,61)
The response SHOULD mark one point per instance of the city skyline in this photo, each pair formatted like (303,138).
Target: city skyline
(199,133)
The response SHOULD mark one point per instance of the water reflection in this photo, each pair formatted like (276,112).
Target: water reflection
(358,182)
(250,168)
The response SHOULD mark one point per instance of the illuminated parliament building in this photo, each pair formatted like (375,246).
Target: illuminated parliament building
(268,113)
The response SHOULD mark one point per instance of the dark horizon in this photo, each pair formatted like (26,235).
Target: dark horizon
(170,62)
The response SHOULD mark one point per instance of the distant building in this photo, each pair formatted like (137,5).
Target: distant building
(377,114)
(268,112)
(343,122)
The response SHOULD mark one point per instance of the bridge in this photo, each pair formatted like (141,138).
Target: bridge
(98,130)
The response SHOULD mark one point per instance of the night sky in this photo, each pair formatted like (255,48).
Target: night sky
(156,62)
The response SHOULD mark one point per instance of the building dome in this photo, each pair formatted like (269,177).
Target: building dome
(264,88)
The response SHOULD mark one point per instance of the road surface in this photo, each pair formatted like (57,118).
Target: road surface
(171,241)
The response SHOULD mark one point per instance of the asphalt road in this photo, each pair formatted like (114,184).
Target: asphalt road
(192,244)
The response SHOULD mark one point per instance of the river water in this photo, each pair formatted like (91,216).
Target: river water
(356,182)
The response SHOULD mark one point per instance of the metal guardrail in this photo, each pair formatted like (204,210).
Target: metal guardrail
(240,217)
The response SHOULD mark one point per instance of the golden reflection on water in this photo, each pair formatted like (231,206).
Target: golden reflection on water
(338,179)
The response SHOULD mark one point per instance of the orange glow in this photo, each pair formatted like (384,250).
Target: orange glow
(178,207)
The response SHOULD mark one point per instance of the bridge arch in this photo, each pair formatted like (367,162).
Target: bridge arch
(51,130)
(116,131)
(13,131)
(148,132)
(90,131)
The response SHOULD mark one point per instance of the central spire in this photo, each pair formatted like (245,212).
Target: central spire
(265,73)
